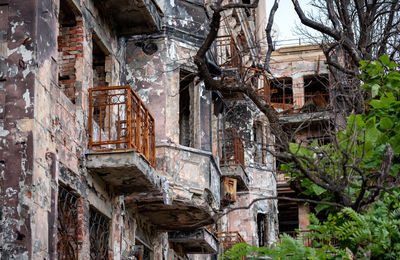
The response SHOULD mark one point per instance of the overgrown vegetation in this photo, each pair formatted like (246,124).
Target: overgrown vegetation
(365,159)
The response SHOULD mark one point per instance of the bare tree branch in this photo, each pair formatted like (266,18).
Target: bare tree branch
(268,30)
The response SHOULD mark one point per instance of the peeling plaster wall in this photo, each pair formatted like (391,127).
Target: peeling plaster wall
(243,115)
(156,80)
(40,127)
(296,62)
(19,59)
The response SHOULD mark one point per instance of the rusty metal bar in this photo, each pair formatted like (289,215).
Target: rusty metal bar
(233,152)
(90,119)
(229,239)
(258,80)
(129,122)
(228,55)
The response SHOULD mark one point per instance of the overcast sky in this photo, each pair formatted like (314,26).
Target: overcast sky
(286,18)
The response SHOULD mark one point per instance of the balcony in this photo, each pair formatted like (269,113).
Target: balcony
(121,140)
(300,103)
(194,182)
(229,239)
(232,161)
(133,17)
(258,79)
(200,241)
(228,55)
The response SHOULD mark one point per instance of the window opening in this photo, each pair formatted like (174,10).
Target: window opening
(99,59)
(288,217)
(99,63)
(67,225)
(281,91)
(316,95)
(258,143)
(99,232)
(262,229)
(185,111)
(70,46)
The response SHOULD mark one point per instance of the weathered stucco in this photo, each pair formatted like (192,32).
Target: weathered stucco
(49,60)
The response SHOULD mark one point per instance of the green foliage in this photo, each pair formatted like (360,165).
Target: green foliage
(362,144)
(347,234)
(373,233)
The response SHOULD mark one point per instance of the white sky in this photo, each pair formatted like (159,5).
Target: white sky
(286,18)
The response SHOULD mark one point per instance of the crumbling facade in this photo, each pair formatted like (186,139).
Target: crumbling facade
(300,94)
(110,145)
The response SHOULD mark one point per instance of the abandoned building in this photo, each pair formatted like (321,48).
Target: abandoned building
(300,94)
(111,147)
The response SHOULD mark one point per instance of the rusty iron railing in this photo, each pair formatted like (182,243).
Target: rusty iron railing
(307,241)
(229,239)
(285,101)
(228,55)
(118,119)
(232,149)
(258,80)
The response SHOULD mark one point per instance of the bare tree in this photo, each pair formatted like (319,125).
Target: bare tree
(344,46)
(352,31)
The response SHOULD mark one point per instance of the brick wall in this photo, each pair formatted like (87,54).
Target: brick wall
(70,47)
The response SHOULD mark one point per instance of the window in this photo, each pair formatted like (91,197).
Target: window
(100,56)
(99,231)
(70,47)
(262,226)
(186,109)
(260,143)
(101,77)
(281,91)
(288,217)
(316,95)
(67,225)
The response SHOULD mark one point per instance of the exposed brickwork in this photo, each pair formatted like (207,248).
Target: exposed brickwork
(70,47)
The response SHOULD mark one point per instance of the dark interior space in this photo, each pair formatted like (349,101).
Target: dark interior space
(288,217)
(185,131)
(281,90)
(316,95)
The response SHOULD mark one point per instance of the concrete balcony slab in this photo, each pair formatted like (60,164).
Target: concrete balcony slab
(199,241)
(305,117)
(126,171)
(133,17)
(194,181)
(237,172)
(195,170)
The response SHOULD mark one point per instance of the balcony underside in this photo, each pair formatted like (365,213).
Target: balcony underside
(127,171)
(199,241)
(236,172)
(134,17)
(177,216)
(304,117)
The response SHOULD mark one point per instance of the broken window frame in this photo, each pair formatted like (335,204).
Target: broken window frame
(319,97)
(281,100)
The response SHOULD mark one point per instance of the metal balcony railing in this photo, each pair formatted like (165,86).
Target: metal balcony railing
(228,55)
(307,241)
(232,149)
(319,100)
(229,239)
(118,119)
(258,80)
